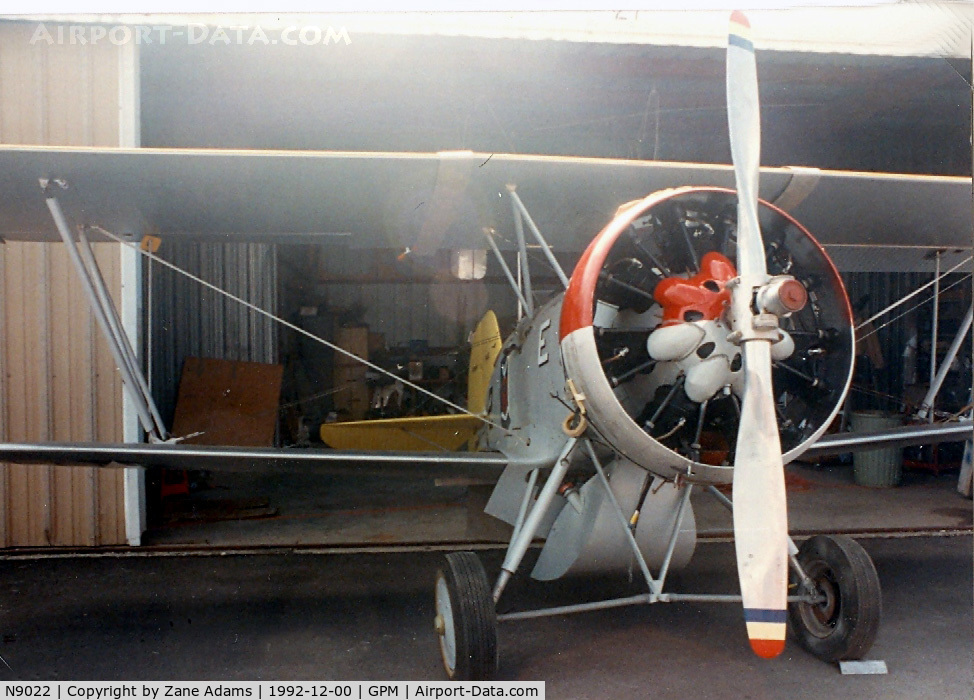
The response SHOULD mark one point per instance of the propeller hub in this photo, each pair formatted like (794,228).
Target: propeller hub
(782,296)
(793,295)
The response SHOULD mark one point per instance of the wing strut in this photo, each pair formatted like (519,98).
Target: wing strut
(926,407)
(93,284)
(524,265)
(522,211)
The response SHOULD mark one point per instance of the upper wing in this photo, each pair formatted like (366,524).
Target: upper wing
(439,200)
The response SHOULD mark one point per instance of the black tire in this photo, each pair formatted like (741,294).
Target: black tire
(466,620)
(844,626)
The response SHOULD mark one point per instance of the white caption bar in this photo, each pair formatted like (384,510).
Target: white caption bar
(351,690)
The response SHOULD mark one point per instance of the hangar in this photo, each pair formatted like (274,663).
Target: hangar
(876,96)
(238,155)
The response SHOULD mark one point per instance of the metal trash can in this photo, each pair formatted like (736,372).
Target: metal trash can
(880,468)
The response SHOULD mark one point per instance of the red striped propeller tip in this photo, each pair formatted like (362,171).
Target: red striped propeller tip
(766,630)
(768,648)
(739,17)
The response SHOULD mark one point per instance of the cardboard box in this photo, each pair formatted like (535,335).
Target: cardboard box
(351,397)
(355,339)
(377,343)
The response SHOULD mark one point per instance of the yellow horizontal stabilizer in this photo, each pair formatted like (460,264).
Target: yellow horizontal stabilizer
(419,434)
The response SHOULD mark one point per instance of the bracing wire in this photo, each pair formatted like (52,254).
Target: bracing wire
(912,308)
(912,294)
(295,328)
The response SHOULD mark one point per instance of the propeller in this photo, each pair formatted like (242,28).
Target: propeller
(760,509)
(672,344)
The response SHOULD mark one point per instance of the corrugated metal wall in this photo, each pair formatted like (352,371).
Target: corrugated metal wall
(442,314)
(871,292)
(58,378)
(189,320)
(366,285)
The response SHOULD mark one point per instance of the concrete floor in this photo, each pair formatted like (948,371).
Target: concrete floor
(191,606)
(368,617)
(312,511)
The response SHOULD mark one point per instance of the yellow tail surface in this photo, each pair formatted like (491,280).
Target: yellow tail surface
(413,434)
(425,433)
(485,346)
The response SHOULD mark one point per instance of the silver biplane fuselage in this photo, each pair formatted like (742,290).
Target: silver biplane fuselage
(550,384)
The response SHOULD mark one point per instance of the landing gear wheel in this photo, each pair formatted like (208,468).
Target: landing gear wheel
(844,624)
(466,621)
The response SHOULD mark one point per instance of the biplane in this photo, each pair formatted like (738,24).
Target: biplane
(704,339)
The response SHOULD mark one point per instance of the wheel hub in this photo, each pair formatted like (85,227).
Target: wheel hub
(443,624)
(820,618)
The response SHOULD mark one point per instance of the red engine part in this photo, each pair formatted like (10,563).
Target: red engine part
(702,297)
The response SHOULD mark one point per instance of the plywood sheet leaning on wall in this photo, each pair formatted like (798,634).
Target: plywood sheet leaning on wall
(230,403)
